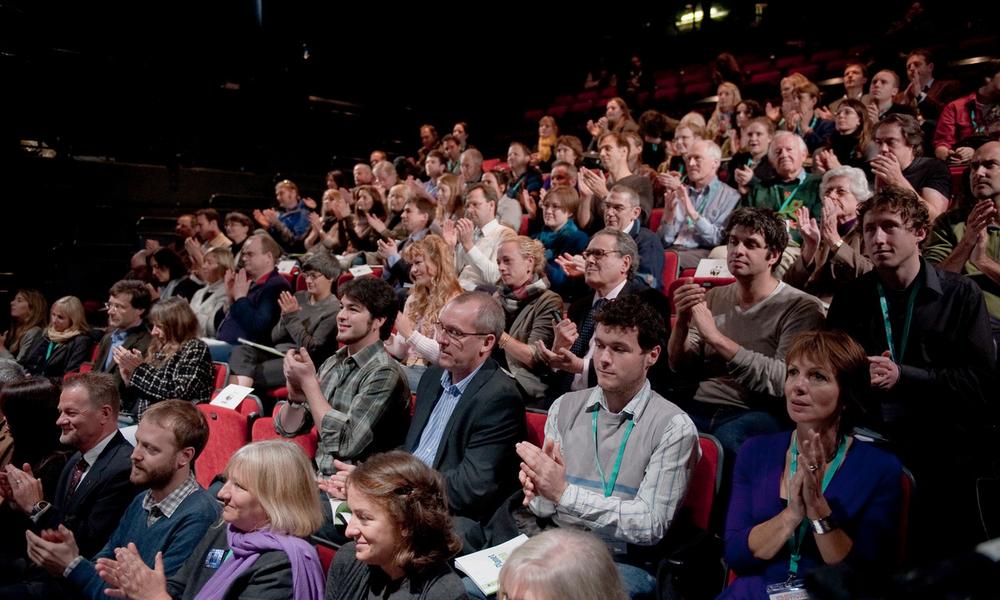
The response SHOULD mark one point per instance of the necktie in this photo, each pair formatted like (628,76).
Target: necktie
(74,480)
(117,338)
(586,330)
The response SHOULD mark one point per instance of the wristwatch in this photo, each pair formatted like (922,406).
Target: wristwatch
(38,508)
(823,525)
(839,243)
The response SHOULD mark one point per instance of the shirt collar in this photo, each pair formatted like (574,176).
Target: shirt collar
(360,358)
(172,502)
(490,227)
(635,407)
(614,293)
(94,453)
(461,386)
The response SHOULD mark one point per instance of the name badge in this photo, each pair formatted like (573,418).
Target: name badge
(793,589)
(214,558)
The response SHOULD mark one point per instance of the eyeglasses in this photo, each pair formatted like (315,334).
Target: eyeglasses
(597,253)
(551,206)
(456,334)
(312,274)
(109,306)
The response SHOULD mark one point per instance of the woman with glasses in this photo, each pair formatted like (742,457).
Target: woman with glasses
(561,236)
(532,311)
(851,142)
(832,253)
(432,270)
(176,366)
(308,320)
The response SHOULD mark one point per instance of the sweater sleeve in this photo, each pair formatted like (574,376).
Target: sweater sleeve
(321,325)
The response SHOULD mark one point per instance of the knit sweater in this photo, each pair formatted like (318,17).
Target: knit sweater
(176,536)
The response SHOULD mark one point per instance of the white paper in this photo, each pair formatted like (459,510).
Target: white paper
(712,267)
(231,396)
(361,270)
(129,433)
(483,567)
(286,266)
(339,509)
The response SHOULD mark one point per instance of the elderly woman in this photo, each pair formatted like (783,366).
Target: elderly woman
(831,250)
(561,563)
(561,236)
(721,119)
(814,496)
(66,342)
(402,534)
(170,276)
(27,320)
(308,320)
(532,311)
(207,301)
(177,364)
(432,269)
(258,550)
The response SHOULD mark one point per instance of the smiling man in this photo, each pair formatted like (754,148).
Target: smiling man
(646,447)
(128,302)
(735,337)
(927,334)
(171,517)
(359,398)
(479,235)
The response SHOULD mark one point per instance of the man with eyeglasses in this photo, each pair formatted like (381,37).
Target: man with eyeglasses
(468,415)
(899,163)
(358,399)
(93,489)
(477,237)
(622,211)
(932,367)
(127,304)
(696,211)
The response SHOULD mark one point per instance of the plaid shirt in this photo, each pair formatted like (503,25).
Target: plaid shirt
(361,389)
(167,506)
(187,375)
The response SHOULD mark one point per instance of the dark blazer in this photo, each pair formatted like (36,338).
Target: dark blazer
(476,454)
(94,510)
(253,316)
(65,357)
(941,92)
(659,372)
(138,338)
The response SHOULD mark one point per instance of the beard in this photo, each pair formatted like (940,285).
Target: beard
(151,478)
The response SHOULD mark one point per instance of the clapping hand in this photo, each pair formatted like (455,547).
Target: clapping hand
(572,265)
(127,360)
(289,304)
(883,371)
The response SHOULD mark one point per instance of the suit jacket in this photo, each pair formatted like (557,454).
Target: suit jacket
(138,338)
(941,92)
(658,373)
(94,510)
(476,454)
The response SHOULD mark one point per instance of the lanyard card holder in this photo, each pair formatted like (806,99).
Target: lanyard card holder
(793,589)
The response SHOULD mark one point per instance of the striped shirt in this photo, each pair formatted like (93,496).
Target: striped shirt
(430,437)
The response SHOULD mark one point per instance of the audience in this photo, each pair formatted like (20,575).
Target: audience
(899,163)
(476,238)
(66,343)
(560,235)
(127,305)
(27,324)
(209,301)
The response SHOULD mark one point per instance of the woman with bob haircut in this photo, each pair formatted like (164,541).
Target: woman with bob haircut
(561,563)
(27,320)
(813,496)
(66,342)
(402,534)
(212,298)
(177,364)
(256,551)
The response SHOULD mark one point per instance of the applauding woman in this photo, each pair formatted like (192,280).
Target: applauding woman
(269,504)
(814,496)
(177,364)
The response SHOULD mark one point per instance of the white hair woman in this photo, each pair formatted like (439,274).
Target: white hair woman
(561,563)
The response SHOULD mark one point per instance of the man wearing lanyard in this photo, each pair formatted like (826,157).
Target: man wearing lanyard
(617,458)
(966,117)
(927,334)
(696,211)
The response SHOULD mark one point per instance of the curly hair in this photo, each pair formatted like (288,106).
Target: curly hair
(427,300)
(413,495)
(632,312)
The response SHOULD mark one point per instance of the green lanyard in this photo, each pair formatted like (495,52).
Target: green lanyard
(788,200)
(897,357)
(703,204)
(609,485)
(795,542)
(48,351)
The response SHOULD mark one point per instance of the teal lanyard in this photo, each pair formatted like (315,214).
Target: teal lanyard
(897,357)
(972,118)
(609,484)
(795,542)
(702,205)
(788,200)
(48,352)
(812,123)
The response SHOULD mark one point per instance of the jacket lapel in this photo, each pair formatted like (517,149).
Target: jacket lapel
(464,404)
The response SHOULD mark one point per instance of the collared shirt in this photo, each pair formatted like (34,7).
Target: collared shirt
(117,338)
(361,389)
(167,506)
(661,455)
(430,437)
(478,266)
(714,202)
(93,454)
(580,379)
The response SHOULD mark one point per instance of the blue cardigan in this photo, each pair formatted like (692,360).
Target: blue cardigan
(177,536)
(253,316)
(568,239)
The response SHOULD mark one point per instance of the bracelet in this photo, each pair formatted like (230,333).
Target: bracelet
(824,525)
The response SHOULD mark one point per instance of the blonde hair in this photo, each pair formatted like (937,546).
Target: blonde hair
(280,476)
(426,301)
(533,249)
(715,121)
(179,324)
(562,563)
(73,309)
(223,258)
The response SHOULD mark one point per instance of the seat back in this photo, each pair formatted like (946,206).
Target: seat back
(705,482)
(227,434)
(221,371)
(535,421)
(655,216)
(263,429)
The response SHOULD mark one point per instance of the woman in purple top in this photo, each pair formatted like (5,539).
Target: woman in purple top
(814,496)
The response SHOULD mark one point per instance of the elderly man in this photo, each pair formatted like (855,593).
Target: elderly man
(622,211)
(696,211)
(471,167)
(363,174)
(900,142)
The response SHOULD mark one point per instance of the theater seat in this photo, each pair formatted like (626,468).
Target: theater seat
(263,429)
(227,434)
(535,421)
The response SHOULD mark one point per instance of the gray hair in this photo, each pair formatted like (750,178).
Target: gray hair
(383,168)
(774,142)
(324,264)
(856,181)
(625,246)
(475,155)
(713,149)
(10,371)
(490,317)
(562,563)
(628,192)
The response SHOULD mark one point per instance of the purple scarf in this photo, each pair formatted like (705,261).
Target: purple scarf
(307,574)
